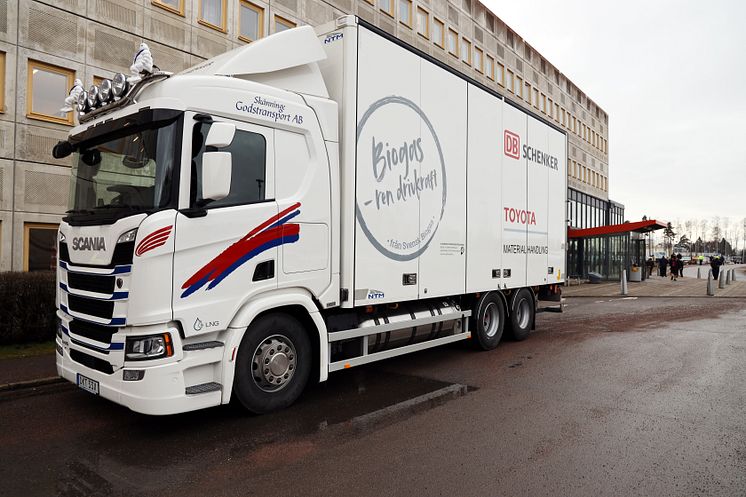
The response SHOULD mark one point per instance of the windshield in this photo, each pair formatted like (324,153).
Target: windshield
(125,172)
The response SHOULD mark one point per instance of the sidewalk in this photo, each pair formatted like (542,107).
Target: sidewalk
(656,286)
(26,371)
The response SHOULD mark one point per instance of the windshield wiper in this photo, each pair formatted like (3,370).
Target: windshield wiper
(121,206)
(80,211)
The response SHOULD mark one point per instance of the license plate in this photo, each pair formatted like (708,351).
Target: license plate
(88,384)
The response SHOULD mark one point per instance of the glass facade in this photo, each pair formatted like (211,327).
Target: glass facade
(605,255)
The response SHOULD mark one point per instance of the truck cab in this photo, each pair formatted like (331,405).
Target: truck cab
(199,202)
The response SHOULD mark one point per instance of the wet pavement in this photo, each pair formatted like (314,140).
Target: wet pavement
(613,397)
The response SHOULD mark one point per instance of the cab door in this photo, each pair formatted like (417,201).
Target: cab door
(226,250)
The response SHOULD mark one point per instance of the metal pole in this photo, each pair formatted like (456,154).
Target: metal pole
(699,273)
(710,284)
(623,282)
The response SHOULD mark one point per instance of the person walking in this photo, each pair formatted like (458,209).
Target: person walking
(715,263)
(681,265)
(662,264)
(650,263)
(674,267)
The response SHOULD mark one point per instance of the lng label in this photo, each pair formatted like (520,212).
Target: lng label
(401,181)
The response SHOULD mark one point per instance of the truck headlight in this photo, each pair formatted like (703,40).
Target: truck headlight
(149,347)
(119,86)
(128,236)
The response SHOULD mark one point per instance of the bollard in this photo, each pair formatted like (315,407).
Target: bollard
(623,281)
(699,273)
(710,284)
(727,277)
(734,275)
(721,280)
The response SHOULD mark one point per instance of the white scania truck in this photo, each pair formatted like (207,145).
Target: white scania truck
(316,200)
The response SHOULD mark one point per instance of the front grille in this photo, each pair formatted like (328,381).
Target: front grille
(91,282)
(91,362)
(99,308)
(92,331)
(63,253)
(123,254)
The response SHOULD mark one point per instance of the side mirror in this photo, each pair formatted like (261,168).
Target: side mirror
(220,135)
(216,175)
(217,166)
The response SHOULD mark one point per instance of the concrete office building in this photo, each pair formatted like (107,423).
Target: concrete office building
(45,45)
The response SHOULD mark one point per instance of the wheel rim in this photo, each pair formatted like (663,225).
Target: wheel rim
(491,320)
(274,363)
(523,314)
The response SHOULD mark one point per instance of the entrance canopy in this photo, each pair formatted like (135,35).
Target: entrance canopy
(617,229)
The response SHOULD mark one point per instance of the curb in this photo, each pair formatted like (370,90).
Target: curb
(21,385)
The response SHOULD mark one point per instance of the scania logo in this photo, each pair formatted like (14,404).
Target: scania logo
(89,243)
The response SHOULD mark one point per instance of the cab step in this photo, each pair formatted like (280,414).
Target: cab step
(203,388)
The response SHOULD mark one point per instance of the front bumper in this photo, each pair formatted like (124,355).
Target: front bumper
(162,390)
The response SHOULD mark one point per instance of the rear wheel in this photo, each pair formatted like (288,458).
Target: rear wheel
(522,315)
(488,322)
(273,364)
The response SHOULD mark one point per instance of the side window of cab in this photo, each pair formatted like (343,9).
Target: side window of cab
(248,164)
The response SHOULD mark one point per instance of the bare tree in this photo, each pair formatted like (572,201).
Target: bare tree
(717,232)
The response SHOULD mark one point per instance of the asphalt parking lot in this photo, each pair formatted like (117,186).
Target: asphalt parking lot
(635,396)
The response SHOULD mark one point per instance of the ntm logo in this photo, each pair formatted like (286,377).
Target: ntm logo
(512,145)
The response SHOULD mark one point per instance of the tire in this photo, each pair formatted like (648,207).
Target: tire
(522,315)
(280,344)
(488,321)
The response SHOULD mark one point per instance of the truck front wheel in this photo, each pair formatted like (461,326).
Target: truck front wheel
(273,364)
(522,315)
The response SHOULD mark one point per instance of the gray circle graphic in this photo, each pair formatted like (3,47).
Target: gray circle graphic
(396,100)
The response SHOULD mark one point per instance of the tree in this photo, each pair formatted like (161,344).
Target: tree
(717,232)
(684,241)
(669,234)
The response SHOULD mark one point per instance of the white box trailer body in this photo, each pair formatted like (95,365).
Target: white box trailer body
(316,200)
(446,188)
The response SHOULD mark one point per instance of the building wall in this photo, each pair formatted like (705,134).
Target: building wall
(96,38)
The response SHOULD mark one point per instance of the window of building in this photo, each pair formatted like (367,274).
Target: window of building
(423,22)
(250,21)
(439,32)
(405,12)
(478,59)
(564,117)
(519,87)
(574,124)
(175,6)
(536,98)
(556,112)
(48,86)
(509,82)
(212,14)
(452,42)
(489,67)
(281,24)
(39,247)
(550,107)
(465,51)
(500,74)
(2,82)
(249,151)
(386,6)
(543,103)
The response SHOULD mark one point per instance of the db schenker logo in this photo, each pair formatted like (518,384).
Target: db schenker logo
(512,144)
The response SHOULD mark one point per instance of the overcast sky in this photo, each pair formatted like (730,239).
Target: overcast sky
(672,77)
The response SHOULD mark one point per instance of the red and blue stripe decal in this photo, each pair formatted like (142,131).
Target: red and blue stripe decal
(273,232)
(153,240)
